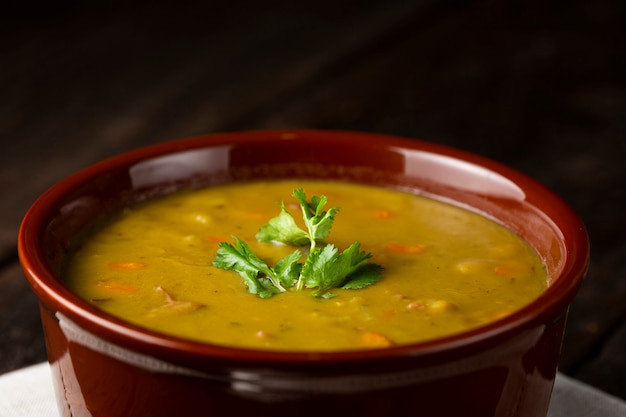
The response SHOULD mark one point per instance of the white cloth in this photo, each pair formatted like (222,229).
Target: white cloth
(572,398)
(28,392)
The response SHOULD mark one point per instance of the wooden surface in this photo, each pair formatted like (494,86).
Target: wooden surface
(534,85)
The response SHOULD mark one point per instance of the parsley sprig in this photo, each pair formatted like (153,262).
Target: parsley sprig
(261,279)
(324,268)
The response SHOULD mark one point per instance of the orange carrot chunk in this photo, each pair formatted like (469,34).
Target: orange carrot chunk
(127,265)
(408,249)
(374,340)
(512,268)
(389,313)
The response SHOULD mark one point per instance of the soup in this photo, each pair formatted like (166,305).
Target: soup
(444,269)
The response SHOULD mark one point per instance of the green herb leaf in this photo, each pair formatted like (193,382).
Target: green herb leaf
(288,269)
(318,221)
(324,268)
(364,276)
(327,268)
(283,229)
(257,275)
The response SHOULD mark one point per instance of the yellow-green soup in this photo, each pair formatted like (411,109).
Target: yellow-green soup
(446,269)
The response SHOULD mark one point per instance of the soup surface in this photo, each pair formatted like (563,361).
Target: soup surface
(446,269)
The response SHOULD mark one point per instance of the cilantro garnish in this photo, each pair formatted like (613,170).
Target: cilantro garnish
(257,275)
(324,268)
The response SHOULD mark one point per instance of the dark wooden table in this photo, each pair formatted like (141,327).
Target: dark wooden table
(535,85)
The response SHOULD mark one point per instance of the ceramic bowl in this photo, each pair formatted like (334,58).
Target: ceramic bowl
(103,366)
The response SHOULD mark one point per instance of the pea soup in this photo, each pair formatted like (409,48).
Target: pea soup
(444,269)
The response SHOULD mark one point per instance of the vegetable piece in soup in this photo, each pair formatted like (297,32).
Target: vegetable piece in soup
(444,269)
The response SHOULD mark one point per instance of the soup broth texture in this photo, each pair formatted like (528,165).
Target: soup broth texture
(445,269)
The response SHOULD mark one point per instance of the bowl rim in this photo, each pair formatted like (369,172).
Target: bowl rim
(51,292)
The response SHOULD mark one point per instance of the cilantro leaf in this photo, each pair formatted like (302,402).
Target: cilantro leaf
(283,229)
(318,221)
(256,274)
(326,268)
(288,269)
(323,269)
(364,276)
(316,269)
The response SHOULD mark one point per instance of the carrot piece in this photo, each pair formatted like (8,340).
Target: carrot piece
(374,340)
(511,268)
(117,287)
(502,270)
(389,313)
(408,249)
(383,214)
(127,265)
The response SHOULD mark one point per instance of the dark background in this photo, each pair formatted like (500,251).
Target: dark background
(535,84)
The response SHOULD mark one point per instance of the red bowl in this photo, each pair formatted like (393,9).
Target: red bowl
(103,366)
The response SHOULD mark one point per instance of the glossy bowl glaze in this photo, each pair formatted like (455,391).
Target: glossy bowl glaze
(103,366)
